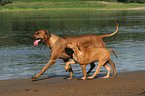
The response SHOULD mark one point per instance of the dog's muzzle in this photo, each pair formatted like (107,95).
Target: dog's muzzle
(37,41)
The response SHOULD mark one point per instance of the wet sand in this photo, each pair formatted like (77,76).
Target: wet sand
(125,84)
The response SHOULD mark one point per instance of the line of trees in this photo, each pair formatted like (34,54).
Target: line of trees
(3,2)
(132,1)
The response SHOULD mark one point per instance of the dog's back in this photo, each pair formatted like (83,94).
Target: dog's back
(95,54)
(88,41)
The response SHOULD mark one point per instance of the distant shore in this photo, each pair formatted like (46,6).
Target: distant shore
(125,84)
(138,8)
(75,5)
(21,10)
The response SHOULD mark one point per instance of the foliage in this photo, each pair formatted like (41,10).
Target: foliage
(63,0)
(132,1)
(3,2)
(66,4)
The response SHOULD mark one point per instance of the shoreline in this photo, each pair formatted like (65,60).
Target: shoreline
(23,10)
(125,84)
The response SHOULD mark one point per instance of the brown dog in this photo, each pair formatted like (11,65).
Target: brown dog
(59,50)
(85,56)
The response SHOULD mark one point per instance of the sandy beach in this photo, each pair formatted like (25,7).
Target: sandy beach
(125,84)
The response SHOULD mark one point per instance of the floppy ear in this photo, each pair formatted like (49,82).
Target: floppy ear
(78,45)
(48,34)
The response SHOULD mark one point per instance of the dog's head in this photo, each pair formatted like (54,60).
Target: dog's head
(41,36)
(74,44)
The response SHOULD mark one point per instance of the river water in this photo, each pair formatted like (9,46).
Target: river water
(20,59)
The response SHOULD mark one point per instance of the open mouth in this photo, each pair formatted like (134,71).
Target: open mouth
(37,41)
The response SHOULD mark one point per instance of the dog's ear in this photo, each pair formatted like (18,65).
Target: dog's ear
(78,45)
(48,34)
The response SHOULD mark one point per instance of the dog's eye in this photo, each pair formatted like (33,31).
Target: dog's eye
(37,33)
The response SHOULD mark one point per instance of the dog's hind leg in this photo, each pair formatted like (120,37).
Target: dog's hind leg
(108,69)
(100,64)
(113,67)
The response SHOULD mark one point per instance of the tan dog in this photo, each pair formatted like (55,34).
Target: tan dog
(85,56)
(59,50)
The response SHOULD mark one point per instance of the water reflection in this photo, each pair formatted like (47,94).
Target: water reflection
(19,59)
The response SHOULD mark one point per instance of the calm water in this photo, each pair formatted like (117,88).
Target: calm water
(20,59)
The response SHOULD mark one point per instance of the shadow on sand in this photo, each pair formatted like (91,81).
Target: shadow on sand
(64,77)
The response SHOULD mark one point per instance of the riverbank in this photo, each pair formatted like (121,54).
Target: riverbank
(46,5)
(125,84)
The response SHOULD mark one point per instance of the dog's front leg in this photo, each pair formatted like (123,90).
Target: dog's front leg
(51,62)
(54,57)
(84,71)
(68,67)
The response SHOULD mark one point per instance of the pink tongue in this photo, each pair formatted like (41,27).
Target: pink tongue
(36,42)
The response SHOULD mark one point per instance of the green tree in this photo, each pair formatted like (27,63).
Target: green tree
(3,2)
(132,1)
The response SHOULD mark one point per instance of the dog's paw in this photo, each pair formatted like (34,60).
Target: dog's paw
(90,77)
(70,78)
(34,77)
(105,77)
(83,78)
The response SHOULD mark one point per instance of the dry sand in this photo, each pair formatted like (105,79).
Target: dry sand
(125,84)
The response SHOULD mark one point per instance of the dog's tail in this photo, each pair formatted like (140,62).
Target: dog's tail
(112,33)
(113,52)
